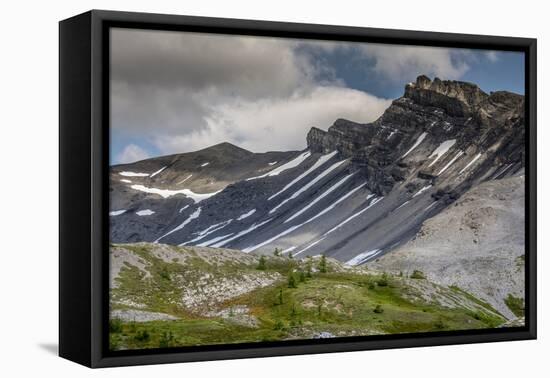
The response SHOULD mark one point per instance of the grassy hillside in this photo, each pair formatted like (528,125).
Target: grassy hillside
(163,296)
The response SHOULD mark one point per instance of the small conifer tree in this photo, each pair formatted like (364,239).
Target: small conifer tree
(323,264)
(291,281)
(261,263)
(308,269)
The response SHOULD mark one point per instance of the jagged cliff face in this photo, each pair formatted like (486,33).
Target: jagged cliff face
(435,112)
(358,192)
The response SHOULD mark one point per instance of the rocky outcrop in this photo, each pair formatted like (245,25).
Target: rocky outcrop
(457,98)
(477,244)
(444,110)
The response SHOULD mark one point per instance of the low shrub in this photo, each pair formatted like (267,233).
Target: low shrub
(418,275)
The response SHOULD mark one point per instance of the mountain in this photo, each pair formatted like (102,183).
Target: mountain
(155,193)
(477,244)
(163,296)
(358,192)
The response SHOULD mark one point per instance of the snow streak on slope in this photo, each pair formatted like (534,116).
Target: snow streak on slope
(459,154)
(184,180)
(116,212)
(470,163)
(246,215)
(431,205)
(309,184)
(372,203)
(418,141)
(194,215)
(244,232)
(289,249)
(403,204)
(310,246)
(212,241)
(323,195)
(322,160)
(157,172)
(133,174)
(165,193)
(291,164)
(363,257)
(422,190)
(441,150)
(293,228)
(143,213)
(210,230)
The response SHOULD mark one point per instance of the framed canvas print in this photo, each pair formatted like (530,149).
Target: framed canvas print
(233,188)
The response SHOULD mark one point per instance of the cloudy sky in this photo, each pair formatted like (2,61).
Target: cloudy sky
(174,92)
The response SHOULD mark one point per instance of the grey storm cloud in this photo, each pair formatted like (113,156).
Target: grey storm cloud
(183,91)
(171,60)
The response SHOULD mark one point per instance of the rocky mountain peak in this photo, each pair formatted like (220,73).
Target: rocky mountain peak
(458,98)
(442,111)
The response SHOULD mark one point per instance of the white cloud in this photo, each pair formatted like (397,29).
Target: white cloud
(405,63)
(492,56)
(278,124)
(130,154)
(187,91)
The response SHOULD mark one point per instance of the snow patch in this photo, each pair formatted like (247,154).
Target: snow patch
(459,154)
(157,172)
(422,190)
(205,164)
(165,193)
(126,181)
(309,184)
(322,160)
(441,150)
(194,215)
(310,245)
(183,209)
(238,235)
(351,217)
(213,240)
(209,230)
(143,213)
(293,228)
(116,212)
(470,163)
(133,174)
(289,249)
(430,206)
(418,141)
(184,180)
(272,163)
(501,172)
(246,215)
(291,164)
(323,195)
(403,204)
(363,257)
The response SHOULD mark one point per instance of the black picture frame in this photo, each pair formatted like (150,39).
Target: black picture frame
(84,191)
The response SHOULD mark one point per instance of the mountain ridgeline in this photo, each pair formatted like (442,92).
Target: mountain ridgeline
(358,192)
